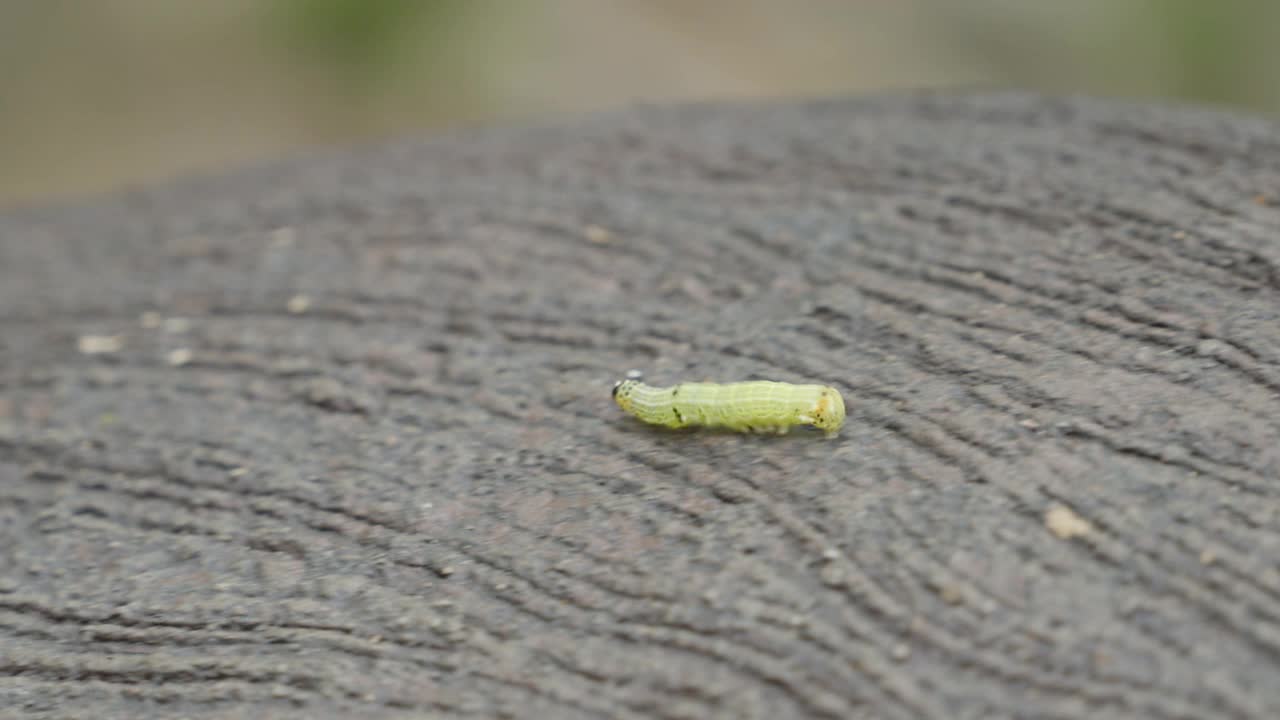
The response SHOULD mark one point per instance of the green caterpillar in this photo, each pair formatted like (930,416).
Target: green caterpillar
(757,406)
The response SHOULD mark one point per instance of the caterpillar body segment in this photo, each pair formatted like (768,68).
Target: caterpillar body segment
(756,406)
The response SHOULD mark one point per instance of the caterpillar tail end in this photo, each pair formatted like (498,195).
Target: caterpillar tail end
(829,413)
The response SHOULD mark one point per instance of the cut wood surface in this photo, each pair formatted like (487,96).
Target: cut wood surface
(334,438)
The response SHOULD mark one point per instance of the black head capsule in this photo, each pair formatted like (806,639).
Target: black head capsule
(615,388)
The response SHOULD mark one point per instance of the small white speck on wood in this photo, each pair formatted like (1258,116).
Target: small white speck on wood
(597,234)
(283,236)
(99,344)
(1064,523)
(178,357)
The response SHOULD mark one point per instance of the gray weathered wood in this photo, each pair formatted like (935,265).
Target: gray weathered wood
(347,448)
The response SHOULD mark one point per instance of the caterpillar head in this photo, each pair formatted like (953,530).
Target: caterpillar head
(622,393)
(828,413)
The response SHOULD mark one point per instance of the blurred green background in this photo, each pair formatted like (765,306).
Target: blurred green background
(96,94)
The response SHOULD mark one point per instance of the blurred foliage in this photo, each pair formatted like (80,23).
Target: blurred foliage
(1223,52)
(93,94)
(362,38)
(1212,45)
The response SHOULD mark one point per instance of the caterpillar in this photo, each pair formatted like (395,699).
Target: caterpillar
(756,406)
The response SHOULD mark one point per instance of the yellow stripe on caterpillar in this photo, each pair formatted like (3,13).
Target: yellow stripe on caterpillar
(756,406)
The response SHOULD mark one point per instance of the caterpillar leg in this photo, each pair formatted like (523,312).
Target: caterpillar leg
(766,429)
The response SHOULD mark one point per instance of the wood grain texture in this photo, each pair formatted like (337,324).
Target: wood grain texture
(348,447)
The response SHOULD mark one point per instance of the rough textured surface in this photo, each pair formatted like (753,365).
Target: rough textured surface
(334,438)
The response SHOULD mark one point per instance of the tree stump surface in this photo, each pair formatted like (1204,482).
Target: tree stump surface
(333,437)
